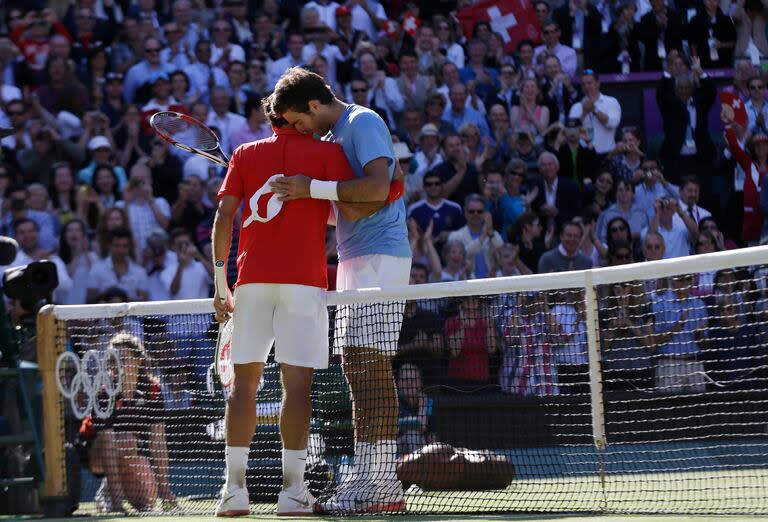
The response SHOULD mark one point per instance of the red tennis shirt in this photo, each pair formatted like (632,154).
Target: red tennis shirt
(283,242)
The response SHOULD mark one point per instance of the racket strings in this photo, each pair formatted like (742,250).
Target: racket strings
(189,133)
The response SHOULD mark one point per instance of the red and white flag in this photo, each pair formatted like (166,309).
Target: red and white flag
(515,20)
(733,105)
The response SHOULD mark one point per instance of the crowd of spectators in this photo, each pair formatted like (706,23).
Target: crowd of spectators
(515,162)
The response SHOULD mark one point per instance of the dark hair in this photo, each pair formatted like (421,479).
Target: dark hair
(296,88)
(113,292)
(524,219)
(609,239)
(620,244)
(478,24)
(110,168)
(493,167)
(420,266)
(19,222)
(705,219)
(268,108)
(571,223)
(408,52)
(179,72)
(178,232)
(120,233)
(65,252)
(690,179)
(432,174)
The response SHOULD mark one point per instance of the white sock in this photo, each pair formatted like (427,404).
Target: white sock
(363,467)
(385,452)
(237,462)
(294,464)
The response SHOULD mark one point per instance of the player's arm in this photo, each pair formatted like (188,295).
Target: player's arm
(221,240)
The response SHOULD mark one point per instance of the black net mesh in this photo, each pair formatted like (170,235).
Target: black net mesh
(190,133)
(636,397)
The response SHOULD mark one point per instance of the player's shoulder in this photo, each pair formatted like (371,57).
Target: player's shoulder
(361,116)
(252,147)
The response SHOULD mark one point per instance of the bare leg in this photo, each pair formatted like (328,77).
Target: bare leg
(374,396)
(240,415)
(296,412)
(105,449)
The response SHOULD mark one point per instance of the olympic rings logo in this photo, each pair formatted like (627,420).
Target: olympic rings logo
(84,382)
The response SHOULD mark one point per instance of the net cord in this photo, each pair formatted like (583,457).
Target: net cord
(536,282)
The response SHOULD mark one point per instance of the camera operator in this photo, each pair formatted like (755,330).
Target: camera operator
(652,185)
(677,234)
(27,233)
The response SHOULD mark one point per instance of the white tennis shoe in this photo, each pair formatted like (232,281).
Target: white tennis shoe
(234,503)
(366,496)
(296,502)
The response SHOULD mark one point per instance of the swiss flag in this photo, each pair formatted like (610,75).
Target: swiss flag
(515,20)
(733,105)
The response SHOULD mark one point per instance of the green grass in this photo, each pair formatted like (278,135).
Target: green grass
(573,499)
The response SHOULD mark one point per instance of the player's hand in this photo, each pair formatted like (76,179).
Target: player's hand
(288,188)
(223,308)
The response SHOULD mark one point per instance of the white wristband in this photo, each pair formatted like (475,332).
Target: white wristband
(220,278)
(323,190)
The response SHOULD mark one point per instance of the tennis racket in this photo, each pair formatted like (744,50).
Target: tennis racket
(189,134)
(223,367)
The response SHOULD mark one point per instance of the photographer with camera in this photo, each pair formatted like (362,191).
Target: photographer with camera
(652,185)
(677,234)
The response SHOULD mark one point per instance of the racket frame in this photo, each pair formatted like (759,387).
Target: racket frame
(222,161)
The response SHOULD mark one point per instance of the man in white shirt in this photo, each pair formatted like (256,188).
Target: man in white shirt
(677,234)
(319,46)
(223,52)
(600,114)
(226,122)
(145,211)
(552,46)
(326,10)
(368,16)
(118,269)
(690,189)
(203,75)
(191,276)
(294,58)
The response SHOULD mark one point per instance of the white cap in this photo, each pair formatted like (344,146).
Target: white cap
(197,166)
(402,151)
(99,142)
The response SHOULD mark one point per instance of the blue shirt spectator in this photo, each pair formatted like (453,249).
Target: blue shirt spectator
(459,113)
(680,319)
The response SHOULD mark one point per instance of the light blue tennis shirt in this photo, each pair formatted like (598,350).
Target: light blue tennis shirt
(365,137)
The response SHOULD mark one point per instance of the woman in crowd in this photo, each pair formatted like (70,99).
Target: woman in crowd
(100,195)
(501,139)
(627,339)
(113,218)
(755,164)
(66,201)
(599,195)
(181,89)
(75,251)
(703,282)
(478,149)
(423,248)
(446,33)
(624,207)
(527,236)
(708,224)
(471,340)
(626,158)
(456,266)
(417,422)
(129,449)
(530,334)
(530,115)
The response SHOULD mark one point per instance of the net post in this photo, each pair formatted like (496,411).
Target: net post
(53,433)
(595,371)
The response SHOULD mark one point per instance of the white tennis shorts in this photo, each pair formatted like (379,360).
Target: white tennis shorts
(293,317)
(375,325)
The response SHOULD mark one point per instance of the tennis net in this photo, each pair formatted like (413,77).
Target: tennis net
(633,389)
